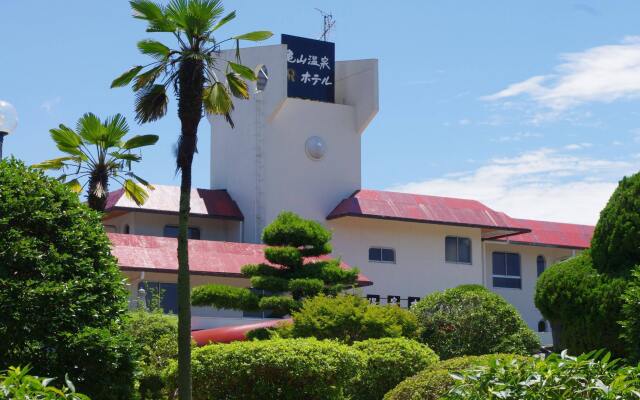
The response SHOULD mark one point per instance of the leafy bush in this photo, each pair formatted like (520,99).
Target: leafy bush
(61,292)
(614,246)
(288,278)
(273,369)
(350,318)
(155,336)
(631,317)
(589,376)
(471,320)
(16,383)
(582,305)
(435,382)
(388,362)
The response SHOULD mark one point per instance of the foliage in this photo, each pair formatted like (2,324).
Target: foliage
(388,362)
(590,376)
(16,383)
(288,278)
(351,318)
(471,320)
(273,369)
(614,246)
(582,305)
(435,381)
(631,316)
(97,152)
(61,293)
(155,336)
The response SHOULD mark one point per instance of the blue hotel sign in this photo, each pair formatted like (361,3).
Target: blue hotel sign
(310,68)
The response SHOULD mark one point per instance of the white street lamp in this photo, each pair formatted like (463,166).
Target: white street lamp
(8,121)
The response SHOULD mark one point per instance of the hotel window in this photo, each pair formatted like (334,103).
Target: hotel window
(382,255)
(506,270)
(541,264)
(172,231)
(457,250)
(167,292)
(542,326)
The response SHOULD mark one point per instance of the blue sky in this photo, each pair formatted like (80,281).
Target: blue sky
(531,107)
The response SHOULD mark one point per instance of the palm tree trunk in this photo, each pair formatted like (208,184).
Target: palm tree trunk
(98,189)
(190,85)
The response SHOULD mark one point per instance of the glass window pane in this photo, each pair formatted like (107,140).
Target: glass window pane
(169,299)
(507,283)
(499,263)
(375,254)
(193,233)
(513,264)
(451,248)
(541,264)
(388,255)
(170,231)
(464,250)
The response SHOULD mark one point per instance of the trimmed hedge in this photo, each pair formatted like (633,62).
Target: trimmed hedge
(471,320)
(388,362)
(614,246)
(351,318)
(582,305)
(435,382)
(631,317)
(273,369)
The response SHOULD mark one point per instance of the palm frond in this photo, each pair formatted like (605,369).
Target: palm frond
(154,49)
(125,156)
(256,36)
(125,79)
(140,141)
(135,192)
(194,17)
(90,128)
(224,20)
(237,86)
(217,99)
(243,71)
(154,14)
(56,163)
(142,181)
(116,129)
(149,77)
(151,103)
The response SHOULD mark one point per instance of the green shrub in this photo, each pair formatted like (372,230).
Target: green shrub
(155,337)
(16,383)
(273,369)
(614,246)
(471,320)
(435,382)
(631,317)
(556,377)
(223,296)
(388,362)
(350,318)
(582,305)
(61,292)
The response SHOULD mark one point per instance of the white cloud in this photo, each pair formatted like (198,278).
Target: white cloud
(50,104)
(518,136)
(545,184)
(599,74)
(578,146)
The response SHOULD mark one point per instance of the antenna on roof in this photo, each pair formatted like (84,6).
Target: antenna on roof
(327,23)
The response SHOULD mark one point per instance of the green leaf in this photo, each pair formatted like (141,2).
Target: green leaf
(217,99)
(90,128)
(140,141)
(142,181)
(154,14)
(154,48)
(224,20)
(125,156)
(238,86)
(243,71)
(74,185)
(135,192)
(151,103)
(65,137)
(125,79)
(256,36)
(56,163)
(148,77)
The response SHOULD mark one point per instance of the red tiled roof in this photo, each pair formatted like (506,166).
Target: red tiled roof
(426,209)
(166,199)
(544,233)
(206,257)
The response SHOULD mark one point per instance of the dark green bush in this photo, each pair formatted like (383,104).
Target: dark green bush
(388,362)
(155,337)
(273,369)
(589,376)
(582,305)
(471,320)
(631,317)
(435,382)
(223,296)
(350,318)
(614,247)
(61,292)
(16,383)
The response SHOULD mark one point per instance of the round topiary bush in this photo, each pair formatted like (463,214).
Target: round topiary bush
(614,247)
(582,304)
(273,369)
(388,362)
(61,294)
(435,382)
(351,318)
(471,320)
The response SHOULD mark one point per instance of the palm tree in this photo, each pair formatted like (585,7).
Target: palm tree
(96,153)
(202,80)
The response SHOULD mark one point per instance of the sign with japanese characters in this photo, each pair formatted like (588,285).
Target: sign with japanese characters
(310,68)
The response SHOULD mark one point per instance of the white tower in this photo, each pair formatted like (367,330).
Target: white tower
(291,153)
